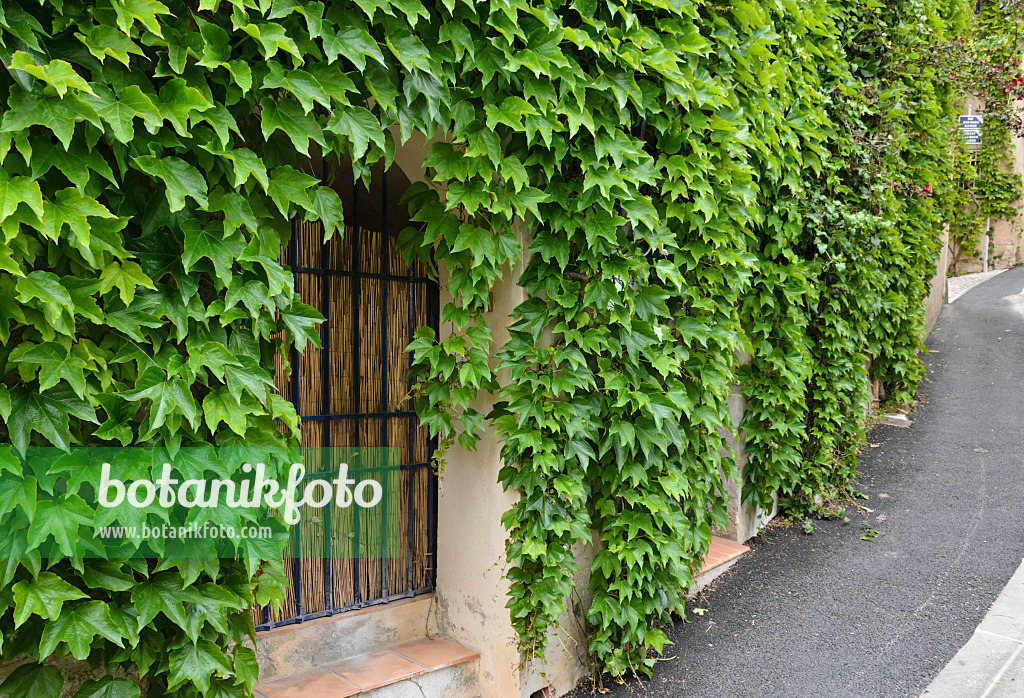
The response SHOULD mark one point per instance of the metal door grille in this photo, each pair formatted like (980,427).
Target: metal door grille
(354,391)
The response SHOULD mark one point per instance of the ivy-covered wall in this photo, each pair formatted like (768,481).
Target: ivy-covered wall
(988,200)
(698,179)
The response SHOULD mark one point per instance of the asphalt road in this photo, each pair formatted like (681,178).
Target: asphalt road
(828,614)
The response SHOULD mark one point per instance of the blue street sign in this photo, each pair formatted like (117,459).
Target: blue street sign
(970,126)
(971,122)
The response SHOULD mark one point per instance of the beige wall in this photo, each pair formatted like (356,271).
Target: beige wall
(937,297)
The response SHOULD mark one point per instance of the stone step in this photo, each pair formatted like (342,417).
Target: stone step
(722,554)
(428,666)
(295,648)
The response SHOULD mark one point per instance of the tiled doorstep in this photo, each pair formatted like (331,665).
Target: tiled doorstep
(366,672)
(991,664)
(721,552)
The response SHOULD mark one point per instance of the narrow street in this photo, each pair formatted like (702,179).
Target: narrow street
(829,614)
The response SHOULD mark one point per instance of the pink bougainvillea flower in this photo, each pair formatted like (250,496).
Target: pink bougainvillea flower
(879,518)
(870,511)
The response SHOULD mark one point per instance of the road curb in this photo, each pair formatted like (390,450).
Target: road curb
(991,664)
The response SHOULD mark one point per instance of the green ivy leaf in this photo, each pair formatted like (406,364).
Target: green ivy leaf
(287,186)
(126,277)
(158,254)
(78,625)
(212,355)
(247,164)
(27,110)
(326,207)
(177,100)
(108,687)
(272,584)
(359,126)
(195,663)
(17,190)
(5,403)
(216,44)
(301,321)
(43,597)
(181,179)
(167,396)
(46,414)
(61,519)
(236,210)
(287,115)
(57,73)
(273,38)
(220,406)
(56,364)
(108,575)
(103,41)
(120,111)
(72,208)
(163,593)
(208,242)
(303,86)
(45,287)
(354,44)
(33,681)
(247,668)
(144,11)
(18,492)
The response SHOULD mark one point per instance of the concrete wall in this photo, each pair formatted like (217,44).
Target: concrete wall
(937,297)
(294,648)
(744,521)
(471,587)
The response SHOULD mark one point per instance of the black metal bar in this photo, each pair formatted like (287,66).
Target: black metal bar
(356,378)
(337,611)
(433,310)
(295,287)
(364,415)
(359,275)
(297,567)
(412,429)
(297,564)
(401,466)
(325,262)
(385,268)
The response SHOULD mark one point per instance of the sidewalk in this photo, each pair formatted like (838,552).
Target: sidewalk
(991,664)
(957,286)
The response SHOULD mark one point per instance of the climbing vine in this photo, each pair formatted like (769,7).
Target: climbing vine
(712,194)
(988,69)
(151,156)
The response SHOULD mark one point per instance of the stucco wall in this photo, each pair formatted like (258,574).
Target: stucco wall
(937,298)
(471,588)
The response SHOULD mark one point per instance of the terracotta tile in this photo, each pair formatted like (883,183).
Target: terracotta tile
(720,552)
(435,653)
(315,683)
(733,549)
(729,545)
(375,669)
